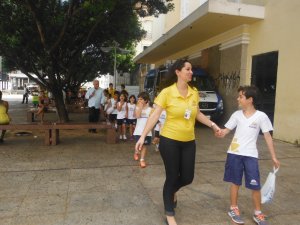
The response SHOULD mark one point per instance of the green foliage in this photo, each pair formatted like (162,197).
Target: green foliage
(59,41)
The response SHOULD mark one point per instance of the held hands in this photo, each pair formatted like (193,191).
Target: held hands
(216,129)
(221,133)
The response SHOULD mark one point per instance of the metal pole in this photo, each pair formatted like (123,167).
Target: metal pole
(115,66)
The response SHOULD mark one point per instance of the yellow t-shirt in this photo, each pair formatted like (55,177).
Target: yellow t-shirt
(176,126)
(4,119)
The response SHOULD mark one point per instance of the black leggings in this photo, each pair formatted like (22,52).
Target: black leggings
(179,160)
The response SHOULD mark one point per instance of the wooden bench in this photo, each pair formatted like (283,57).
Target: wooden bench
(110,131)
(32,111)
(47,127)
(52,130)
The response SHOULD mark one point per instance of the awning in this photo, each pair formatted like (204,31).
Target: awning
(209,20)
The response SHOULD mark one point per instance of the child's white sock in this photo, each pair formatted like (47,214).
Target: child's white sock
(257,212)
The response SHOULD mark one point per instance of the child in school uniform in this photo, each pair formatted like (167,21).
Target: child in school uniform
(113,114)
(142,113)
(122,115)
(157,129)
(242,155)
(131,119)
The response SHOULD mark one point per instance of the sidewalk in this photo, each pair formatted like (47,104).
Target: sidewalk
(84,181)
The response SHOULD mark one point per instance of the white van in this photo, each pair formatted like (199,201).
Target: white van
(211,103)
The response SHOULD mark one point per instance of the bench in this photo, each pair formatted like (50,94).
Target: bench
(47,127)
(52,130)
(32,111)
(56,127)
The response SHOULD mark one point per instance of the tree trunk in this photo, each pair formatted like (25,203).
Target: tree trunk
(60,106)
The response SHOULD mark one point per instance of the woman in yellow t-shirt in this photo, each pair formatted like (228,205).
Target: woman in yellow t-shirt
(177,138)
(4,117)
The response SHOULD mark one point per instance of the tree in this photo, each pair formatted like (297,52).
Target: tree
(59,41)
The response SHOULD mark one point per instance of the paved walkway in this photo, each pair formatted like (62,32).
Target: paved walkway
(84,181)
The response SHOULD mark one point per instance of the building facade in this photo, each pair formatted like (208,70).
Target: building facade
(239,42)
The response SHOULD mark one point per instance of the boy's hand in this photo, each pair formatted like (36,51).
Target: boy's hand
(276,163)
(220,133)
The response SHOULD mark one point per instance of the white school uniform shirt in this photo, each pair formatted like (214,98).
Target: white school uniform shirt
(247,131)
(161,121)
(121,114)
(131,109)
(141,122)
(113,103)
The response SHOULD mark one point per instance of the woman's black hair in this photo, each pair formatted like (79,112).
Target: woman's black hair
(171,76)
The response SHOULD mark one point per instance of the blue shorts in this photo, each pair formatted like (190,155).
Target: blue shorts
(131,121)
(237,165)
(147,139)
(121,121)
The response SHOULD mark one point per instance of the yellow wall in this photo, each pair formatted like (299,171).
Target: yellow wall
(173,17)
(280,31)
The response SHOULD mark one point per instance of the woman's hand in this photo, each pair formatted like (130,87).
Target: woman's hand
(139,144)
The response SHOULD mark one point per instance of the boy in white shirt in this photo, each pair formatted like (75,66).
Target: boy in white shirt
(242,155)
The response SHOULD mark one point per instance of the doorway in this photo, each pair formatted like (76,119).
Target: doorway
(264,76)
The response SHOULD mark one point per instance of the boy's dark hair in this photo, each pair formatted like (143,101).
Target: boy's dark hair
(250,92)
(144,95)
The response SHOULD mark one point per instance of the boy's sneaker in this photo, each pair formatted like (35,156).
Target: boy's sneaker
(234,213)
(121,137)
(124,137)
(260,219)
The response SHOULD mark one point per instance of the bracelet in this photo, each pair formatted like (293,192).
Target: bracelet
(212,124)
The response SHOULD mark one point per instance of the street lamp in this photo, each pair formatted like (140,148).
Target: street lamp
(115,47)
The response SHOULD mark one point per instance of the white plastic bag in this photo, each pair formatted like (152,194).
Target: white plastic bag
(268,189)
